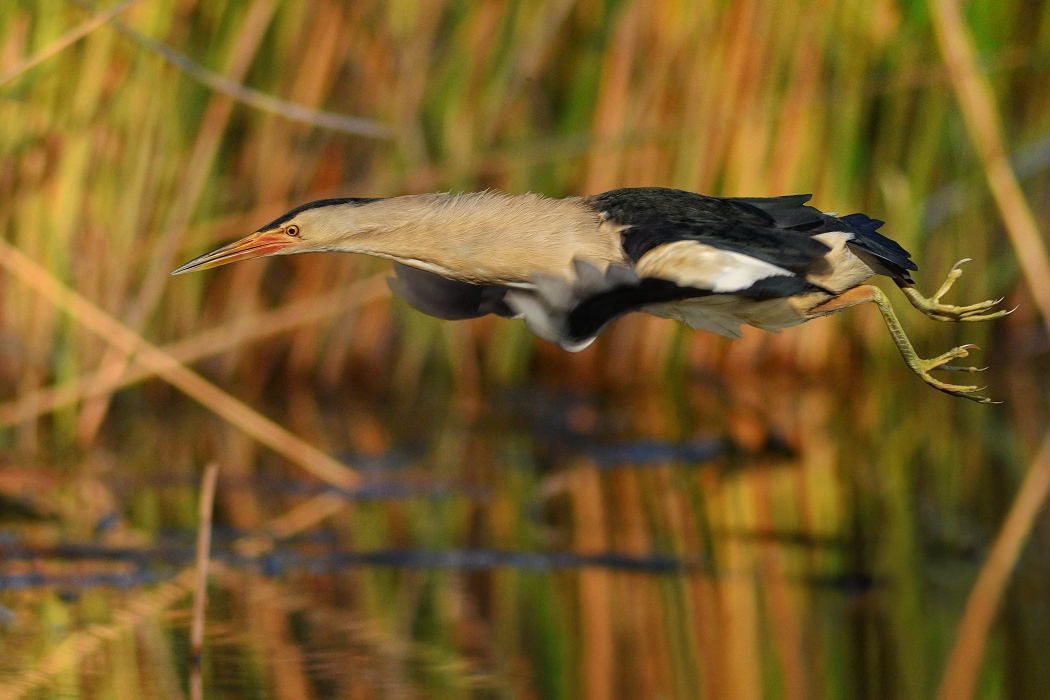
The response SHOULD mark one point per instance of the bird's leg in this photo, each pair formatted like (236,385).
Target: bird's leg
(933,308)
(921,367)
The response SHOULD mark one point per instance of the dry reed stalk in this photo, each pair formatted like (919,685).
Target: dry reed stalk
(194,178)
(265,604)
(200,588)
(261,101)
(781,612)
(589,533)
(707,621)
(242,507)
(684,526)
(295,520)
(305,515)
(282,160)
(131,344)
(603,169)
(462,343)
(637,593)
(243,329)
(670,513)
(61,44)
(977,102)
(80,645)
(964,664)
(732,510)
(153,644)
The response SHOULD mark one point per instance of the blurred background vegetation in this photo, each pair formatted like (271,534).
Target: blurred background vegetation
(667,514)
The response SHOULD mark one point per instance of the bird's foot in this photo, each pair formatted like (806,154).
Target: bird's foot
(924,367)
(933,308)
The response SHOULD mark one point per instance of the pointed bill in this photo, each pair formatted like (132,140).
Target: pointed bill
(257,245)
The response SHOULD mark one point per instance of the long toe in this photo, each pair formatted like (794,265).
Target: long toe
(933,308)
(976,315)
(974,312)
(966,392)
(941,361)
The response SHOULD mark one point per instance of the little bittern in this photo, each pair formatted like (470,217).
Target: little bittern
(569,267)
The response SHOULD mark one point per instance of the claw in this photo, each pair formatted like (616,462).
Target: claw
(941,363)
(933,308)
(966,392)
(923,367)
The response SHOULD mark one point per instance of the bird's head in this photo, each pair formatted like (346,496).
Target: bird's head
(316,226)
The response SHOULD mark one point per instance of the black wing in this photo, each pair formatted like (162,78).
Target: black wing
(784,248)
(645,205)
(447,299)
(897,259)
(790,212)
(784,221)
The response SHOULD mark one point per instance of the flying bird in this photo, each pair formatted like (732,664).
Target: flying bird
(569,267)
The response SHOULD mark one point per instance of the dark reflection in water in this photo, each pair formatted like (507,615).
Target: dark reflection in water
(781,537)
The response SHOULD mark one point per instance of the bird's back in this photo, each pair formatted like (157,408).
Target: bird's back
(779,230)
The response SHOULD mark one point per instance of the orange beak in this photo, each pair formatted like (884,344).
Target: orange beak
(257,245)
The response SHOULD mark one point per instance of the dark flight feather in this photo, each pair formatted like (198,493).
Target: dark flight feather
(447,299)
(786,212)
(784,248)
(644,208)
(897,259)
(645,205)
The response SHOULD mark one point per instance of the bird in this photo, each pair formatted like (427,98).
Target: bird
(569,267)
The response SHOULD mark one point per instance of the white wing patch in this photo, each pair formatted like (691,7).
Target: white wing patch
(693,264)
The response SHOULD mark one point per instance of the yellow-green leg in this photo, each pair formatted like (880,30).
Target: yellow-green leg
(933,308)
(921,367)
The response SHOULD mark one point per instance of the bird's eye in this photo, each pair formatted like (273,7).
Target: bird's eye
(292,231)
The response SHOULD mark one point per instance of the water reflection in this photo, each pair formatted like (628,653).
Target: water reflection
(791,541)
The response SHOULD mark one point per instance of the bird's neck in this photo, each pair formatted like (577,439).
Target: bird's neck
(484,237)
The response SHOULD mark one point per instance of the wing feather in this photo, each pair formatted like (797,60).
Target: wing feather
(784,248)
(444,298)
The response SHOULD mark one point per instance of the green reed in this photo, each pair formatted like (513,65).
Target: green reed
(116,165)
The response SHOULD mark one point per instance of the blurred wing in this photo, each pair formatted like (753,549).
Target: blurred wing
(662,282)
(444,298)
